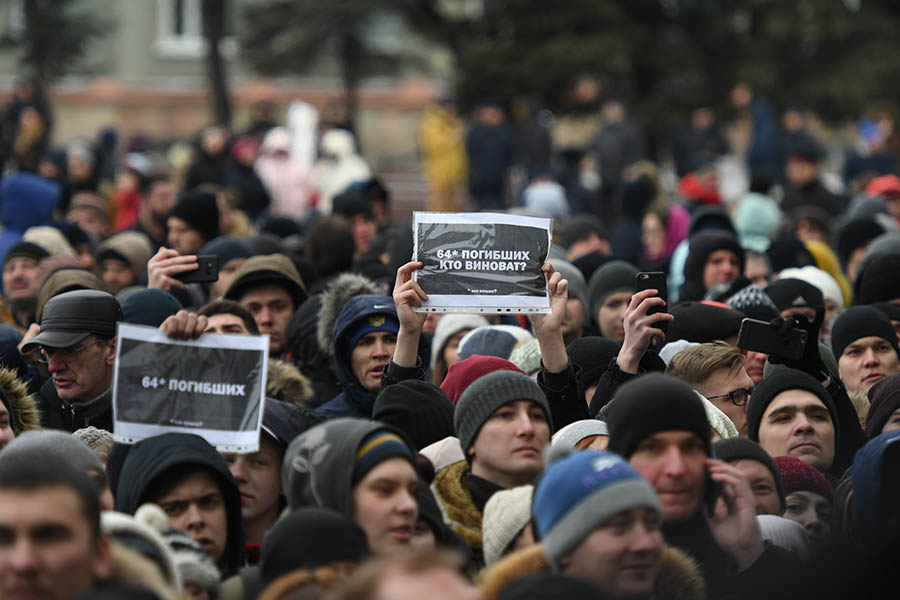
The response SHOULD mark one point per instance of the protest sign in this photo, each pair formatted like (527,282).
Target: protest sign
(481,262)
(213,386)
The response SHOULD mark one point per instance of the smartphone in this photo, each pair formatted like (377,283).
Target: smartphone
(654,280)
(712,492)
(760,336)
(207,270)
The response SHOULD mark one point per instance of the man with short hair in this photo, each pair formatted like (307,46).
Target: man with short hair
(658,423)
(598,520)
(503,424)
(270,288)
(791,414)
(77,342)
(22,281)
(865,346)
(51,545)
(227,316)
(157,200)
(716,370)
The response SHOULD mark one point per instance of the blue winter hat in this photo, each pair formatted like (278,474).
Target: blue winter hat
(579,493)
(369,324)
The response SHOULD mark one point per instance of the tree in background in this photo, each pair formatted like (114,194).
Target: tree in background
(213,17)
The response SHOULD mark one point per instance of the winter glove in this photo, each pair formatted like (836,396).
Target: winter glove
(811,361)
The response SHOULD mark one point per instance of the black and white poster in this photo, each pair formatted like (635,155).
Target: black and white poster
(482,262)
(213,386)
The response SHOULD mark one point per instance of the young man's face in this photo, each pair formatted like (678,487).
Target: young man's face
(384,505)
(370,354)
(508,448)
(20,278)
(720,383)
(611,315)
(621,556)
(813,511)
(722,266)
(116,274)
(364,230)
(183,237)
(762,483)
(47,547)
(161,199)
(674,462)
(197,507)
(272,309)
(83,371)
(796,423)
(258,476)
(867,361)
(226,323)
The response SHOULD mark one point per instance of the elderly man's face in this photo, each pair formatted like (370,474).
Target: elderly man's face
(83,371)
(20,278)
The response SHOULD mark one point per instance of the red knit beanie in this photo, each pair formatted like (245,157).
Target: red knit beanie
(464,372)
(797,476)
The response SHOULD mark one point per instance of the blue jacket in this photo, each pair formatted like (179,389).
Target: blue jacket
(354,400)
(26,200)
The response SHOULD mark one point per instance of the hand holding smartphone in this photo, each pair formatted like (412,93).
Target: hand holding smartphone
(654,280)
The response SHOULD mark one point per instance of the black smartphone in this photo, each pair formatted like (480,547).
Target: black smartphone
(207,270)
(654,280)
(712,492)
(760,336)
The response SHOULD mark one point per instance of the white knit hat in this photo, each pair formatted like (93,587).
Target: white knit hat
(447,327)
(576,431)
(505,515)
(817,278)
(146,524)
(718,420)
(784,533)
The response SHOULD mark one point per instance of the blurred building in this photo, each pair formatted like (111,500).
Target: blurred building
(147,75)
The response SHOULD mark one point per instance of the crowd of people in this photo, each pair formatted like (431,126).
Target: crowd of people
(626,444)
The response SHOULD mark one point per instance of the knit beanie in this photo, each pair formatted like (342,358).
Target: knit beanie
(60,445)
(822,280)
(782,381)
(591,356)
(463,373)
(577,285)
(703,322)
(143,533)
(794,293)
(580,492)
(879,280)
(856,234)
(310,537)
(576,431)
(615,276)
(891,311)
(884,399)
(491,340)
(488,393)
(447,327)
(756,220)
(486,341)
(754,303)
(418,409)
(652,403)
(787,251)
(784,533)
(193,563)
(227,249)
(505,516)
(861,322)
(527,356)
(26,250)
(199,210)
(589,263)
(827,262)
(798,476)
(377,447)
(149,307)
(739,448)
(369,324)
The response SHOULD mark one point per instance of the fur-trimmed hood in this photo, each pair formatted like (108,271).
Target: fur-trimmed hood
(679,576)
(457,507)
(22,405)
(336,295)
(285,382)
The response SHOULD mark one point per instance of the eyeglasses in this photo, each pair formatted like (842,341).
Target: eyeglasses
(66,355)
(738,397)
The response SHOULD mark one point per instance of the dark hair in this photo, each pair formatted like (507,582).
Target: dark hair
(330,246)
(170,478)
(230,307)
(19,474)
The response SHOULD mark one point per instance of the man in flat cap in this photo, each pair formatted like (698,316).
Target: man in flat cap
(77,342)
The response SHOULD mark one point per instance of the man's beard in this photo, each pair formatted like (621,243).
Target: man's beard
(20,305)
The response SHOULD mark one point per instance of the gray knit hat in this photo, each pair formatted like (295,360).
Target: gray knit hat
(488,393)
(578,287)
